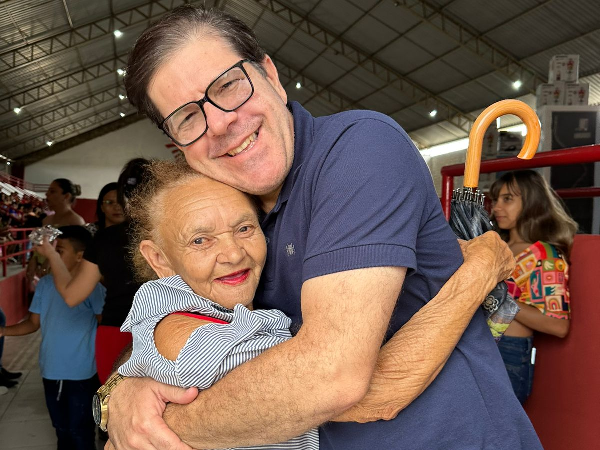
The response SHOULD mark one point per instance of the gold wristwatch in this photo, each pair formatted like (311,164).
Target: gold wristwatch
(100,400)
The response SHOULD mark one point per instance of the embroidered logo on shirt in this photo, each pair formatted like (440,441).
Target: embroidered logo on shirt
(290,250)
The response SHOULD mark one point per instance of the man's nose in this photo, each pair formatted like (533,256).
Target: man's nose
(218,121)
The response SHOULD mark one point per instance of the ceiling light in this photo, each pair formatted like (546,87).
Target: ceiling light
(121,71)
(298,85)
(122,114)
(121,97)
(118,33)
(17,110)
(8,163)
(433,113)
(517,84)
(49,143)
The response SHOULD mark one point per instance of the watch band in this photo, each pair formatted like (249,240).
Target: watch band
(100,401)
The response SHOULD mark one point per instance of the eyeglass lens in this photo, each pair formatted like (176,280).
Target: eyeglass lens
(228,92)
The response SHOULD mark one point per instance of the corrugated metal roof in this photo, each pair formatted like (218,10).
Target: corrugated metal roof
(404,58)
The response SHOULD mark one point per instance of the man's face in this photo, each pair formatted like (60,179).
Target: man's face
(251,148)
(210,236)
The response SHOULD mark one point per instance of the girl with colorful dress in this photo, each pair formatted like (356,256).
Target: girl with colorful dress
(531,219)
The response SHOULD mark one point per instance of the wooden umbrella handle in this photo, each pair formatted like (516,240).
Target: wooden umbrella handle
(491,113)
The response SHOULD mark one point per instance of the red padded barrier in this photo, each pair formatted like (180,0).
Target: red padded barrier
(565,398)
(13,297)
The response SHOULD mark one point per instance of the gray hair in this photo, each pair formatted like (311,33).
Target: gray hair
(171,33)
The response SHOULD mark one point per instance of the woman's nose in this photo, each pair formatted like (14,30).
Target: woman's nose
(231,253)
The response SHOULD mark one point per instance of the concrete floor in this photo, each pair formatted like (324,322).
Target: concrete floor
(24,419)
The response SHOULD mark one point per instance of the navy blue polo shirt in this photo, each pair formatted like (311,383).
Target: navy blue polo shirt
(360,195)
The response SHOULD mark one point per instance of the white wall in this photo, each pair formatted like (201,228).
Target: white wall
(99,161)
(436,163)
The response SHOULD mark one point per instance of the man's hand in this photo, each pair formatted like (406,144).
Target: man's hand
(135,411)
(490,253)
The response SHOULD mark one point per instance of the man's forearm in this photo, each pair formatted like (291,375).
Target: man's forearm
(248,421)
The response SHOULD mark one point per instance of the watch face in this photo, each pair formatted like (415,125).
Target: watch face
(96,409)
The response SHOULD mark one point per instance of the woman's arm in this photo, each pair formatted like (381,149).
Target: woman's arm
(533,318)
(408,363)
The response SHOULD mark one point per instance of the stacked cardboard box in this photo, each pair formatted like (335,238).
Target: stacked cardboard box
(563,87)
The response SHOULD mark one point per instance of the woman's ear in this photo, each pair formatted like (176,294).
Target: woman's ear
(156,259)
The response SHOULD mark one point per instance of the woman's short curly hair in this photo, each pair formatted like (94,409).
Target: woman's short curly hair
(146,205)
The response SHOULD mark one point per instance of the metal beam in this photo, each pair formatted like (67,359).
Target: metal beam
(498,58)
(60,133)
(446,111)
(60,84)
(37,50)
(78,139)
(60,114)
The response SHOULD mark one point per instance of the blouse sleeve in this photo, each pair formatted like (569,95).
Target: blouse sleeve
(541,278)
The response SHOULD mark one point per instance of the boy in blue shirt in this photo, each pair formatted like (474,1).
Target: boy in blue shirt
(66,358)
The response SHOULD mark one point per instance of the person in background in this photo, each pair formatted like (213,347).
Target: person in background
(105,259)
(108,209)
(60,196)
(66,353)
(7,379)
(531,219)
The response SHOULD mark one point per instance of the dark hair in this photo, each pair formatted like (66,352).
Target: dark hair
(543,217)
(99,213)
(132,175)
(172,32)
(77,235)
(68,187)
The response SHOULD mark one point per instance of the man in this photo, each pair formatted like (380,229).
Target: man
(357,244)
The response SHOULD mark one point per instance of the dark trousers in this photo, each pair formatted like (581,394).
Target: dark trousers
(69,403)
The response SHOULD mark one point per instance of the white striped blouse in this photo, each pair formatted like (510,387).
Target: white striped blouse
(212,350)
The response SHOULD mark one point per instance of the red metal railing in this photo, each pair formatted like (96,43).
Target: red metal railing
(21,240)
(586,154)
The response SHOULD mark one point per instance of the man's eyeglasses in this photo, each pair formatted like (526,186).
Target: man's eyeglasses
(228,92)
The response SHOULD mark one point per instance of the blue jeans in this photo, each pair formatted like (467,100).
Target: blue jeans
(516,353)
(69,403)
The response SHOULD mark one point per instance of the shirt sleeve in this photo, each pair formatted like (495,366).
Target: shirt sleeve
(96,298)
(369,197)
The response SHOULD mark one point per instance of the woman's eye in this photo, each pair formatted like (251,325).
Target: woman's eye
(199,241)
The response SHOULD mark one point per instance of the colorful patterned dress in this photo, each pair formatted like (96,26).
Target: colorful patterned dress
(540,280)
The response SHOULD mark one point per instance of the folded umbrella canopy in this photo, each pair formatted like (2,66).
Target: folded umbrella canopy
(468,217)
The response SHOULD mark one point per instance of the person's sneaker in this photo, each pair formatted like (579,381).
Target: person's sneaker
(10,375)
(3,390)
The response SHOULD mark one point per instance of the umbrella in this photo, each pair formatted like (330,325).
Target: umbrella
(468,217)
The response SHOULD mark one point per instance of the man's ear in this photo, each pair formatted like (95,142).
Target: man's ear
(273,77)
(156,259)
(79,256)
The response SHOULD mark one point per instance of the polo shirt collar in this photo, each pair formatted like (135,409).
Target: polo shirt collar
(303,136)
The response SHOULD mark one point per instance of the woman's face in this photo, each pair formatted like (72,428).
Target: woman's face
(55,196)
(210,236)
(113,211)
(507,208)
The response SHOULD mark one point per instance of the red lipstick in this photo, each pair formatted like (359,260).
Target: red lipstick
(235,278)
